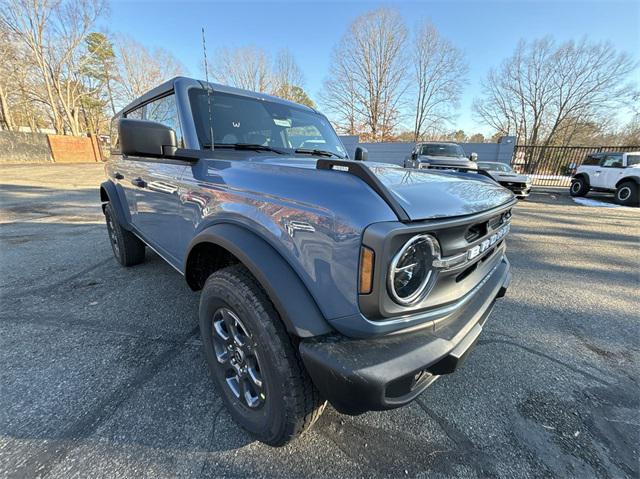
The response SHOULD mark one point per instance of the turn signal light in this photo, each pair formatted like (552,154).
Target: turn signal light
(366,270)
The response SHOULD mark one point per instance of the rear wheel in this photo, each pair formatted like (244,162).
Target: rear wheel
(579,187)
(253,360)
(627,194)
(127,247)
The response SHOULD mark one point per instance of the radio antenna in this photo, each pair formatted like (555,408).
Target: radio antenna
(206,75)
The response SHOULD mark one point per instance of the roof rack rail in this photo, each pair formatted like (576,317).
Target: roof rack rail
(363,172)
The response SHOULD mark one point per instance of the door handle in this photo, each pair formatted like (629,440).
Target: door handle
(118,176)
(139,182)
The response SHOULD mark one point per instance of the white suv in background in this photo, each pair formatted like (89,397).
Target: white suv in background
(613,172)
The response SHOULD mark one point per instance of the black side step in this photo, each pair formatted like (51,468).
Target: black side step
(363,172)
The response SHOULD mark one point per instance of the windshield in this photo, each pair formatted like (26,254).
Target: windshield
(495,167)
(444,149)
(252,121)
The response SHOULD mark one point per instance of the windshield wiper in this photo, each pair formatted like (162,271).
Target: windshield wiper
(246,146)
(308,151)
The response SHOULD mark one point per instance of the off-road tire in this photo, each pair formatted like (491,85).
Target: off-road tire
(579,187)
(292,403)
(127,247)
(627,194)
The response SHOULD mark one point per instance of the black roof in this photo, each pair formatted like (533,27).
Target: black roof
(169,85)
(604,153)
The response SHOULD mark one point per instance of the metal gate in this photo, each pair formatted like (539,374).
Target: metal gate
(554,165)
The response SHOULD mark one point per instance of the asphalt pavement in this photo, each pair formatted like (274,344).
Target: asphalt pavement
(102,374)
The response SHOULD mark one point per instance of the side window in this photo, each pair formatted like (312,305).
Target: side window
(612,161)
(136,114)
(592,160)
(164,110)
(633,160)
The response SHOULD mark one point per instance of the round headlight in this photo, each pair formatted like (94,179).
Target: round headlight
(411,273)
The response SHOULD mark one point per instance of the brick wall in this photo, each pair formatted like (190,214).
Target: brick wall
(74,149)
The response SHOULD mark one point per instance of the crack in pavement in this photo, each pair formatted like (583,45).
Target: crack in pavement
(465,451)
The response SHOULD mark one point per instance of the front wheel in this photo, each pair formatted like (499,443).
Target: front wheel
(127,247)
(578,187)
(627,194)
(253,360)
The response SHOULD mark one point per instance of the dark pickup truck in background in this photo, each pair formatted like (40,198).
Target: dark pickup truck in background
(440,155)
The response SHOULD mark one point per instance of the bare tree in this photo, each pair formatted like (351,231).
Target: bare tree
(20,94)
(439,76)
(367,74)
(141,69)
(54,32)
(9,55)
(339,97)
(544,91)
(286,75)
(245,67)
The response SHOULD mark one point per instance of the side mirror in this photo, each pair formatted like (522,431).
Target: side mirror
(361,154)
(473,157)
(146,138)
(414,156)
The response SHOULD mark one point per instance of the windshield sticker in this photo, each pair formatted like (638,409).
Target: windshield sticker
(282,122)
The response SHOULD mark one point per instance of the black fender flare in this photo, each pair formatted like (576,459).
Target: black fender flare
(291,298)
(634,178)
(109,194)
(584,177)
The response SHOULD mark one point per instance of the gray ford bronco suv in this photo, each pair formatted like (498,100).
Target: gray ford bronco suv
(322,278)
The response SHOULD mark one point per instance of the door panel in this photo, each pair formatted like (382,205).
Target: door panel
(610,168)
(155,187)
(159,218)
(611,177)
(595,177)
(123,171)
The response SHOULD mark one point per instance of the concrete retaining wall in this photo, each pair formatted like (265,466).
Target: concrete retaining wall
(18,147)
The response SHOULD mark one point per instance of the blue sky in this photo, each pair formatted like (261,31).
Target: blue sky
(486,31)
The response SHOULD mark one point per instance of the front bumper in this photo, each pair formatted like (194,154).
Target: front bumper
(359,375)
(521,190)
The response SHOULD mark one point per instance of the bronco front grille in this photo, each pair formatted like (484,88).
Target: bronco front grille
(475,231)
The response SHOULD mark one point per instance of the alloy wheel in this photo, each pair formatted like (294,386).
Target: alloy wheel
(236,354)
(576,186)
(112,236)
(624,193)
